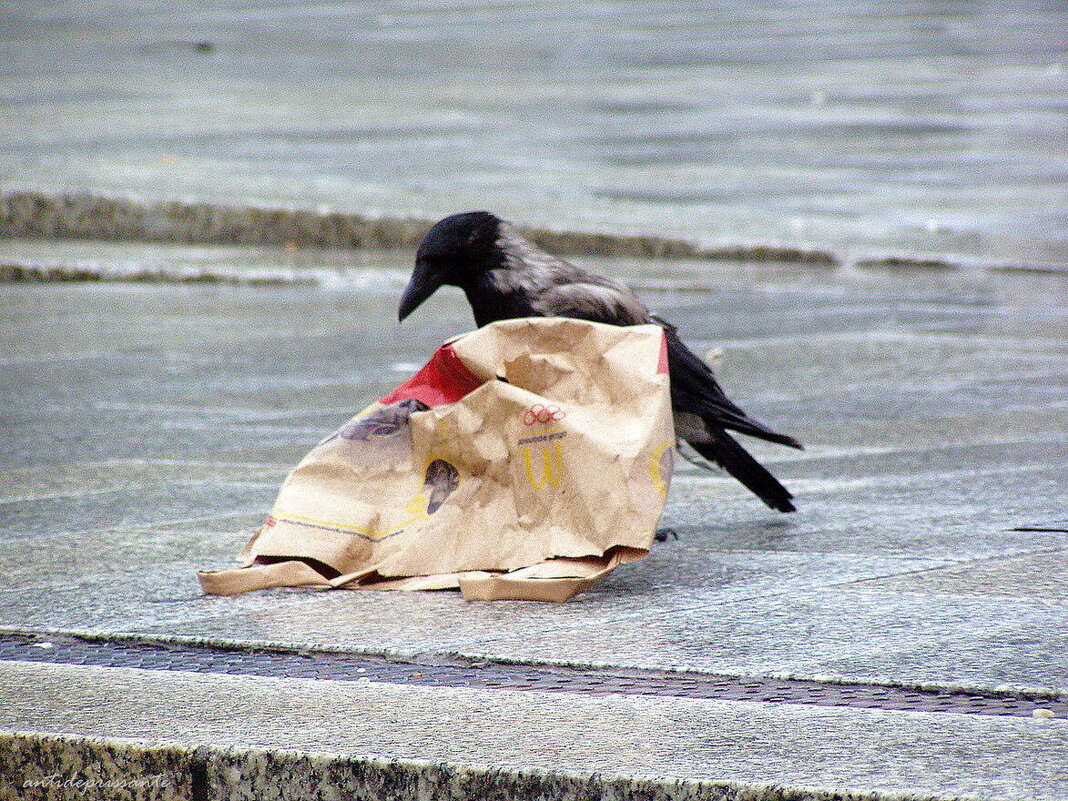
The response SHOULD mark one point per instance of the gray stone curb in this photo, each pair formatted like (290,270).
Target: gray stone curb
(28,213)
(62,768)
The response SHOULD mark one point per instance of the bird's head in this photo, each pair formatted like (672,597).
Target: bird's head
(455,251)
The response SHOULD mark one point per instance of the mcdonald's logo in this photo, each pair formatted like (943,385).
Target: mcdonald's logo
(540,413)
(552,466)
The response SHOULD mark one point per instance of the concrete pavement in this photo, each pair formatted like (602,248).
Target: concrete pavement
(146,427)
(904,635)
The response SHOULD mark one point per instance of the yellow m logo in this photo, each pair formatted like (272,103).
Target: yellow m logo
(552,466)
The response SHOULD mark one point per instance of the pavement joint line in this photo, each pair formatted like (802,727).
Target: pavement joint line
(490,674)
(950,563)
(54,496)
(153,526)
(164,527)
(63,357)
(142,485)
(810,485)
(189,462)
(246,413)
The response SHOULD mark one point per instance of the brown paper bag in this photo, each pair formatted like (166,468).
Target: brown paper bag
(527,459)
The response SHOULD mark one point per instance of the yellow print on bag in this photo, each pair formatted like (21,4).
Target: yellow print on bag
(660,465)
(551,464)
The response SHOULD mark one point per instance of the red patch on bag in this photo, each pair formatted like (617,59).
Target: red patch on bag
(662,368)
(443,379)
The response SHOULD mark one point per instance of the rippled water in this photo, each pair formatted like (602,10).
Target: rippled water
(862,128)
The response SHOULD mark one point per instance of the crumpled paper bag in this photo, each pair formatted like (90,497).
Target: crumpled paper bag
(527,459)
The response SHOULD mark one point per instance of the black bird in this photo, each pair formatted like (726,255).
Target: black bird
(505,275)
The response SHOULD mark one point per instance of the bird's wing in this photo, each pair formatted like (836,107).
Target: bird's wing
(557,288)
(694,388)
(587,298)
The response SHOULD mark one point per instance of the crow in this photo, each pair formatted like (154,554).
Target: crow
(505,276)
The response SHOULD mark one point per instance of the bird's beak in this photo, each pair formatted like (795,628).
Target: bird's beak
(423,284)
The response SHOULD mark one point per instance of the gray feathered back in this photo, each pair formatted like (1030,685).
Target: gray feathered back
(557,288)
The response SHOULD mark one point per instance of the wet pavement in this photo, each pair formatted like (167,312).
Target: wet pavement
(147,426)
(925,128)
(903,635)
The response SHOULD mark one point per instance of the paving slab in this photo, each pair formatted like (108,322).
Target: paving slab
(714,749)
(146,427)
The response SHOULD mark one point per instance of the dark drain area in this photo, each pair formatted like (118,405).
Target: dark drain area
(483,674)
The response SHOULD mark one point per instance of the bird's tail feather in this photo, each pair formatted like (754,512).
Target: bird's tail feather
(754,428)
(732,457)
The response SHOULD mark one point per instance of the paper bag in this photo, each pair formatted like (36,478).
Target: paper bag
(527,459)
